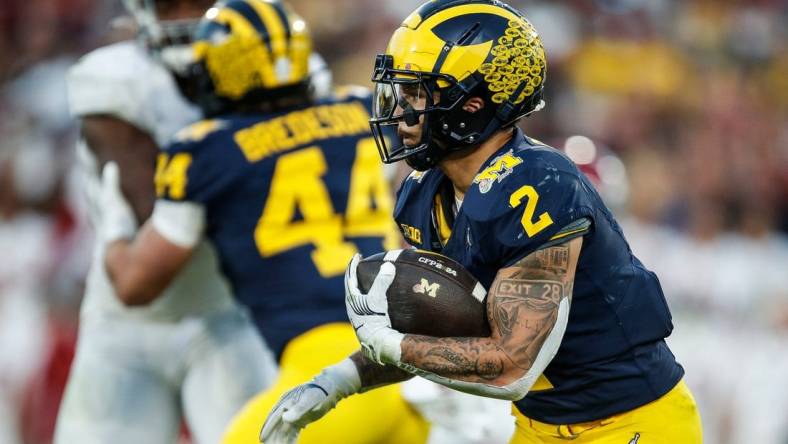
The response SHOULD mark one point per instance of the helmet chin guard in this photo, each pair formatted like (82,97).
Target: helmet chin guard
(168,40)
(391,106)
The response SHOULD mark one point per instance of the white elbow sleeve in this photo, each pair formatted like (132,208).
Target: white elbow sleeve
(519,388)
(181,223)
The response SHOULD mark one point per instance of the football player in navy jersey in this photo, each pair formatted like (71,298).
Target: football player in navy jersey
(288,189)
(578,324)
(194,355)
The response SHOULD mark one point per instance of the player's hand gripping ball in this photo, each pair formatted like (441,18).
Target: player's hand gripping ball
(368,313)
(430,294)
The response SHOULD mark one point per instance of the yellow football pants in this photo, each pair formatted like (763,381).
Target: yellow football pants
(380,416)
(671,419)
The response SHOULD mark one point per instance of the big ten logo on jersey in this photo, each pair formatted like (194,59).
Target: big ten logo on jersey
(412,233)
(299,209)
(170,179)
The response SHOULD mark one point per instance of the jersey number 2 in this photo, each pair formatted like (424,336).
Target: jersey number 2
(297,185)
(530,226)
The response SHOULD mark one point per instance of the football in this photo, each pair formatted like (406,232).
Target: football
(431,294)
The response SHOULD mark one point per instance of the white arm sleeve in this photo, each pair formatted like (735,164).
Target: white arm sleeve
(519,388)
(181,223)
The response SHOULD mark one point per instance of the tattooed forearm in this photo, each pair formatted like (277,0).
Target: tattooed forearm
(471,359)
(522,308)
(374,375)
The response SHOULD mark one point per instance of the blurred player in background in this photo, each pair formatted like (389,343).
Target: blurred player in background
(194,354)
(456,78)
(288,189)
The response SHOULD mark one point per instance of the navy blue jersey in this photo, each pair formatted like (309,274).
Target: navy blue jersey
(289,198)
(527,196)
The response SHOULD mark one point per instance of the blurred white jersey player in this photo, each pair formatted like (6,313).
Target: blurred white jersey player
(193,356)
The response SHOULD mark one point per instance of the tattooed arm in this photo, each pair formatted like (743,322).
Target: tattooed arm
(527,308)
(526,323)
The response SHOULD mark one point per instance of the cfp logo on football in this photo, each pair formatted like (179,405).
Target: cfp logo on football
(424,287)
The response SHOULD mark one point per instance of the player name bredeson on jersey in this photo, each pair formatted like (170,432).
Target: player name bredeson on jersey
(302,127)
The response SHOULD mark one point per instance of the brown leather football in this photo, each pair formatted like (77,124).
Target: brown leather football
(431,294)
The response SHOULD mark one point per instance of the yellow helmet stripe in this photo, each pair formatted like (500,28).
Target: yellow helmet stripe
(274,25)
(231,18)
(241,26)
(243,29)
(300,47)
(301,60)
(461,61)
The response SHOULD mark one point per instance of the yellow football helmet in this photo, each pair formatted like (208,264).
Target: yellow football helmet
(249,52)
(451,51)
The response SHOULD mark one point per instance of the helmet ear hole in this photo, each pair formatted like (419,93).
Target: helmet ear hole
(473,105)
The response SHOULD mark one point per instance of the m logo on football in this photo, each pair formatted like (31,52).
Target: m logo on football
(424,287)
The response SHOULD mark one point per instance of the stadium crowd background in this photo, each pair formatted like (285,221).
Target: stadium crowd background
(692,96)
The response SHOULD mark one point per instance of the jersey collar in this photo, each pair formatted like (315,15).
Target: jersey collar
(442,223)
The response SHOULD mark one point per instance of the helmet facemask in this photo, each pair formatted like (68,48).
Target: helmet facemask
(447,127)
(397,99)
(168,40)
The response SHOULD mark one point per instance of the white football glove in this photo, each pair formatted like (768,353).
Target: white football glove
(117,220)
(368,313)
(309,402)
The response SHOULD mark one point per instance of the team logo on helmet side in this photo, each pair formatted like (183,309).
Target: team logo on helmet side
(518,57)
